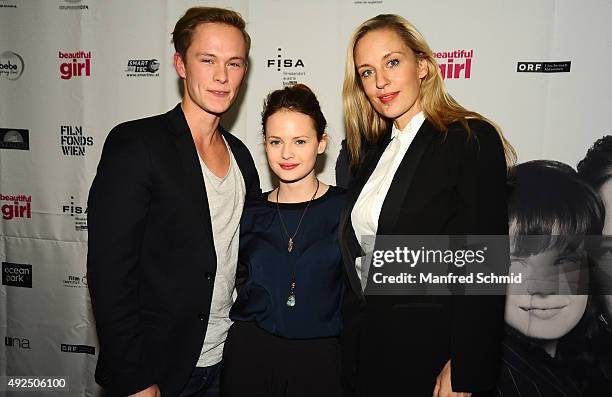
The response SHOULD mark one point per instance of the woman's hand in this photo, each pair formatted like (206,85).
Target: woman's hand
(151,391)
(443,384)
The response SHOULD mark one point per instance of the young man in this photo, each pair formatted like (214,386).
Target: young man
(164,212)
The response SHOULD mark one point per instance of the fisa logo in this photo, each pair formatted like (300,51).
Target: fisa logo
(78,213)
(74,64)
(292,68)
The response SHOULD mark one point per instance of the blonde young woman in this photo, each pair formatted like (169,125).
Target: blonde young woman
(432,168)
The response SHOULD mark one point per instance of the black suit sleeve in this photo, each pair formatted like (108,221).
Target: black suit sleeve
(253,187)
(343,171)
(247,166)
(477,321)
(117,212)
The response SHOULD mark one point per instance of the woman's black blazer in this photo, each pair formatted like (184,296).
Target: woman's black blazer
(446,184)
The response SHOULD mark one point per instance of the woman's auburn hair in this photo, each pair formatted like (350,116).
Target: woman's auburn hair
(360,118)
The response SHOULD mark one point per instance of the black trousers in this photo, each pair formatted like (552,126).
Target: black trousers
(257,363)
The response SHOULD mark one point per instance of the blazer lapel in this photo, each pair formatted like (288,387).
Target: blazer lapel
(349,243)
(192,171)
(390,212)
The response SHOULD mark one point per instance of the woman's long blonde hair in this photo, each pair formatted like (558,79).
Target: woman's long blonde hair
(361,120)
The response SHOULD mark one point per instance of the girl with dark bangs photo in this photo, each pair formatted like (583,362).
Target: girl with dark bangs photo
(551,211)
(596,170)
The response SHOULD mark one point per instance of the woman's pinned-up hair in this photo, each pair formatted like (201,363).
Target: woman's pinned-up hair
(550,201)
(360,118)
(297,98)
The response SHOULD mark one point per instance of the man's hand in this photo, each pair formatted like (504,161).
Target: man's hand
(151,391)
(443,384)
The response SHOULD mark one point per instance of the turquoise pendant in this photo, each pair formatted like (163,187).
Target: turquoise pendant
(291,296)
(291,300)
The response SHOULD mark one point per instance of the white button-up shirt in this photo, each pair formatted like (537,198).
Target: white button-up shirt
(366,211)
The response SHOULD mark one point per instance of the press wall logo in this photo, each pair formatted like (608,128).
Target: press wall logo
(292,68)
(16,275)
(73,141)
(18,343)
(13,138)
(66,348)
(79,213)
(7,4)
(455,64)
(142,68)
(74,281)
(544,67)
(16,206)
(73,5)
(11,65)
(74,64)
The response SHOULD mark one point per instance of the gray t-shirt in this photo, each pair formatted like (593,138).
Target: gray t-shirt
(225,200)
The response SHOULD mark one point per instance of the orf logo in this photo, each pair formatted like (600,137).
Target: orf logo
(544,67)
(68,348)
(11,65)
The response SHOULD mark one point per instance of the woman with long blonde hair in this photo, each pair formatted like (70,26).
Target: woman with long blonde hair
(432,168)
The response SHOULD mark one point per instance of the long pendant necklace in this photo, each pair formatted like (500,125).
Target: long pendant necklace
(291,296)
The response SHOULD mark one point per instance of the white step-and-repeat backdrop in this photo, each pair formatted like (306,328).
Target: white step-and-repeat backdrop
(72,69)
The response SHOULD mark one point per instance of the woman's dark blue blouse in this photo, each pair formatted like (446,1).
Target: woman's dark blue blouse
(315,260)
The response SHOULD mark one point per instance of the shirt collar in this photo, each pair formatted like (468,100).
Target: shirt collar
(411,128)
